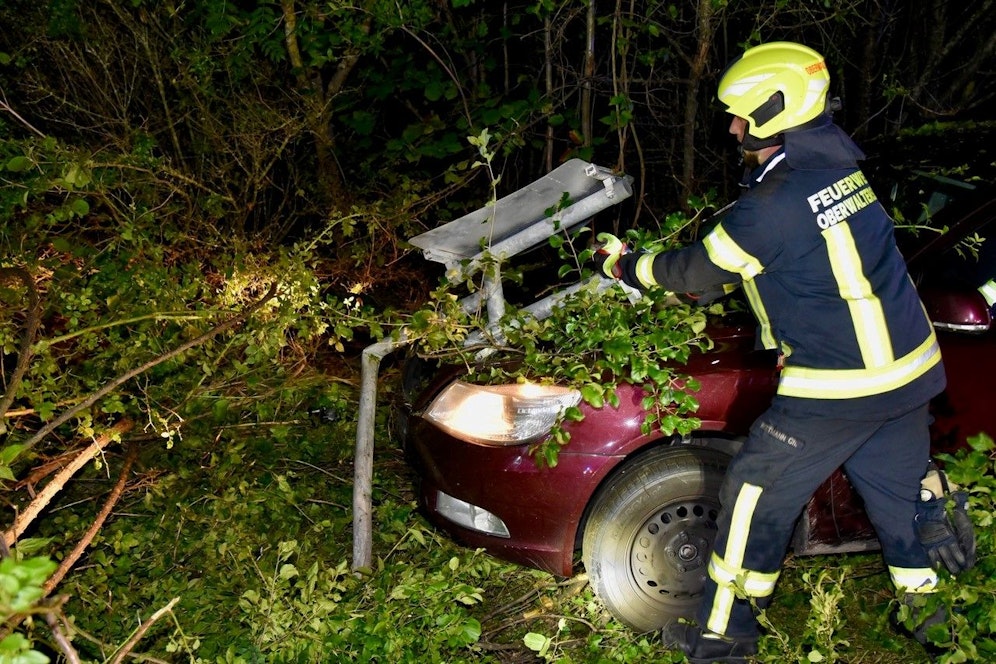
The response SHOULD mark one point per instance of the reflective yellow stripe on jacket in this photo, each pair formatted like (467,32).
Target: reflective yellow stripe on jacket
(881,372)
(645,269)
(852,383)
(727,254)
(867,316)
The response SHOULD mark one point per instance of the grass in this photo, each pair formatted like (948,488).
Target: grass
(256,541)
(519,601)
(859,616)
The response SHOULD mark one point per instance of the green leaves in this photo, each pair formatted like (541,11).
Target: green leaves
(538,643)
(403,613)
(8,454)
(19,164)
(16,649)
(596,341)
(594,394)
(21,583)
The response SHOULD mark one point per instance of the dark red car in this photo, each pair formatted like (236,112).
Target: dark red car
(641,509)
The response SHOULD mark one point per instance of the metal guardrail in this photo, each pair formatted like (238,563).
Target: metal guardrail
(467,245)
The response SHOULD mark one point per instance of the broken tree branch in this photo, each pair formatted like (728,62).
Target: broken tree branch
(45,496)
(142,629)
(120,380)
(70,560)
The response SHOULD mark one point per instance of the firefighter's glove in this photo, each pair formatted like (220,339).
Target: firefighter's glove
(607,254)
(948,539)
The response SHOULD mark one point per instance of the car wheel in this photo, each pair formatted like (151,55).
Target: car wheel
(650,532)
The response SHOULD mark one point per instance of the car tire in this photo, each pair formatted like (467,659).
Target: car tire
(650,532)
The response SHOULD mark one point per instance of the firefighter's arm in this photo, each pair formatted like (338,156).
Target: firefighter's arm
(686,270)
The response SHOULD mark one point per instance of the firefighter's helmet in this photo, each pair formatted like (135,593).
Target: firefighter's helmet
(776,87)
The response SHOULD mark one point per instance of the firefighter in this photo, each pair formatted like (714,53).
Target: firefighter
(814,252)
(988,291)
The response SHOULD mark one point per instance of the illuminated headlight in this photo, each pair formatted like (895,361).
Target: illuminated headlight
(510,414)
(469,516)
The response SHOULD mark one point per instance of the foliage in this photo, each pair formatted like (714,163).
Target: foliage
(324,612)
(970,599)
(119,297)
(597,340)
(820,640)
(165,164)
(275,585)
(20,591)
(593,339)
(21,583)
(272,115)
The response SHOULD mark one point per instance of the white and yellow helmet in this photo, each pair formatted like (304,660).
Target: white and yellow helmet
(776,87)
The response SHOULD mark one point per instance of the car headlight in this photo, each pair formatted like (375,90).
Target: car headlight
(510,414)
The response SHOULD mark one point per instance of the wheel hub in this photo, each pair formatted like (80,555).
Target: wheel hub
(670,555)
(687,551)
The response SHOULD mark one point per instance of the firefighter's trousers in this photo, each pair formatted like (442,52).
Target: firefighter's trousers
(784,460)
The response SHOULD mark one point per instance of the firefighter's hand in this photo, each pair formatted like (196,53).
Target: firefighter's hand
(948,543)
(607,254)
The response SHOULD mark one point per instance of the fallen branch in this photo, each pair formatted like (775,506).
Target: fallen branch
(4,106)
(142,629)
(70,560)
(145,658)
(53,612)
(124,378)
(44,497)
(35,476)
(64,645)
(27,338)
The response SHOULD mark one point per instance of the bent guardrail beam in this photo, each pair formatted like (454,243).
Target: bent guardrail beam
(513,224)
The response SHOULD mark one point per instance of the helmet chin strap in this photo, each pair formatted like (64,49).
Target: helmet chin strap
(755,144)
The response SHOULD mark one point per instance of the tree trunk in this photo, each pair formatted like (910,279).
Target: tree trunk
(588,75)
(700,62)
(331,181)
